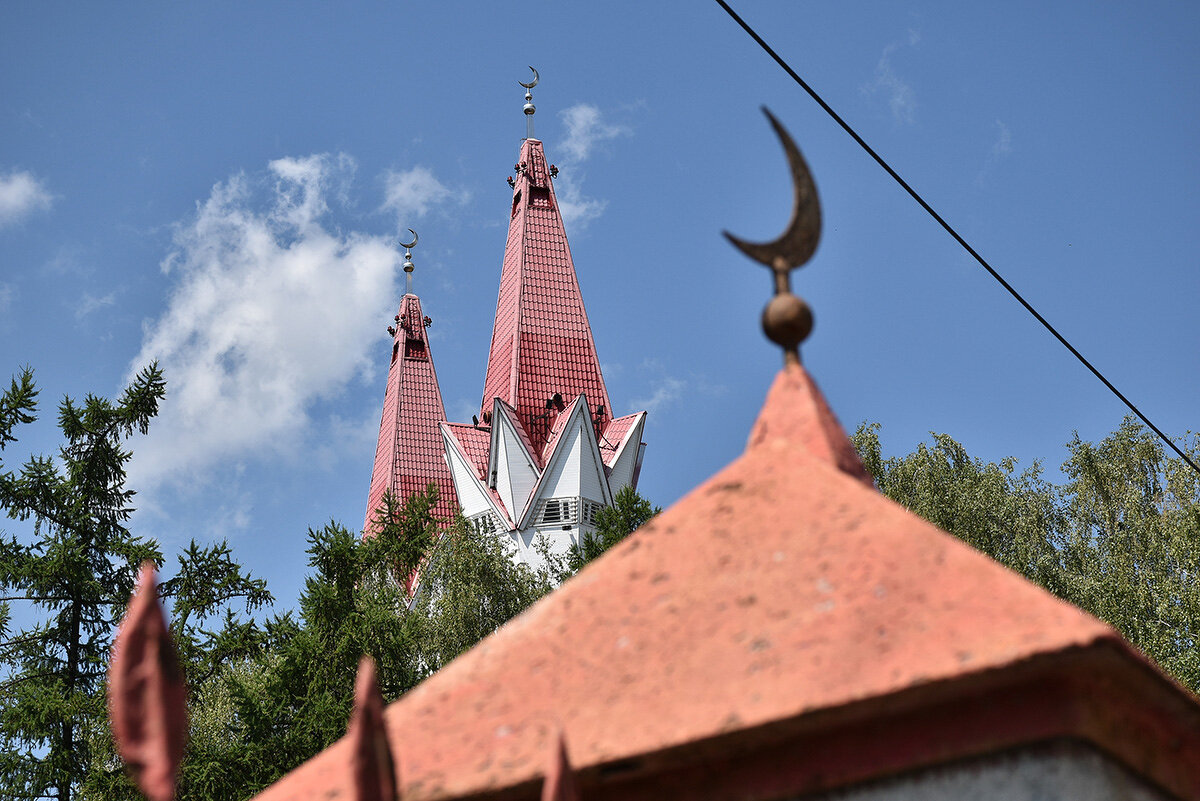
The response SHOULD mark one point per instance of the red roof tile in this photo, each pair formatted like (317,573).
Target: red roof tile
(410,454)
(474,442)
(613,433)
(541,340)
(781,625)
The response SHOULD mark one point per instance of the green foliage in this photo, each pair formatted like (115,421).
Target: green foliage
(629,512)
(77,572)
(470,587)
(1120,538)
(257,718)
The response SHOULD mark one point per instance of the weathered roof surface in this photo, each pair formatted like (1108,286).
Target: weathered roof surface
(541,340)
(409,454)
(781,629)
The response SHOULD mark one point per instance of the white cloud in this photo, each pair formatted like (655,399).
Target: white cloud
(90,303)
(1003,144)
(6,296)
(412,193)
(272,311)
(900,95)
(21,194)
(665,389)
(1001,148)
(585,129)
(663,392)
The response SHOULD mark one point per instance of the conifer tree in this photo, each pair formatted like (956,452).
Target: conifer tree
(75,573)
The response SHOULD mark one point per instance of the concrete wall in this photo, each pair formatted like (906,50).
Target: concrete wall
(1067,770)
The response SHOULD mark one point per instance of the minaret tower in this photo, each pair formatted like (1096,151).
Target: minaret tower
(545,453)
(410,454)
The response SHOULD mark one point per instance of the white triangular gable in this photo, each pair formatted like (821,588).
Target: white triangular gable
(515,471)
(473,495)
(623,472)
(574,469)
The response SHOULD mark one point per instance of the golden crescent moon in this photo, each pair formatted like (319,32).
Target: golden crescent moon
(798,242)
(407,245)
(532,83)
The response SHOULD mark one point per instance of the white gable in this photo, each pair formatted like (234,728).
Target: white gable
(624,467)
(473,497)
(575,469)
(516,473)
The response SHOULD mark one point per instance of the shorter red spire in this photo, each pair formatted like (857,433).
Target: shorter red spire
(410,454)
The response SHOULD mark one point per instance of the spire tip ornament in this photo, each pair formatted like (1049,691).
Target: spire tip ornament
(529,108)
(408,264)
(787,320)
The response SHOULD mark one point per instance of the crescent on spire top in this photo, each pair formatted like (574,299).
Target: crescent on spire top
(408,264)
(787,320)
(529,107)
(532,83)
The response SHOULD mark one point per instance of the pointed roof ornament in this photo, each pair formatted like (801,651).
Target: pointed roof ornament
(529,107)
(787,320)
(408,264)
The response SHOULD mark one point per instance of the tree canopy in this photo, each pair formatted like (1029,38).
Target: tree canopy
(1119,537)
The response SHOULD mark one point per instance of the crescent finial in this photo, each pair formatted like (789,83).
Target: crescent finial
(532,83)
(798,242)
(412,244)
(787,320)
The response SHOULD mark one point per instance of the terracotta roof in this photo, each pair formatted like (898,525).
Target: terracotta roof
(541,340)
(410,454)
(781,630)
(519,425)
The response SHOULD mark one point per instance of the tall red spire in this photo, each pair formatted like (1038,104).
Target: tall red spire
(410,453)
(541,341)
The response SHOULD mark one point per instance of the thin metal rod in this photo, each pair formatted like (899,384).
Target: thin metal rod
(953,233)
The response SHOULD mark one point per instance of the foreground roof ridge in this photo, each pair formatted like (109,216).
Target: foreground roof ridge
(796,414)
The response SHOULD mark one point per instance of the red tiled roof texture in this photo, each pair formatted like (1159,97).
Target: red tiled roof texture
(474,443)
(410,454)
(541,341)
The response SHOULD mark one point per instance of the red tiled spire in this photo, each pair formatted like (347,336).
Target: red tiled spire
(541,340)
(410,453)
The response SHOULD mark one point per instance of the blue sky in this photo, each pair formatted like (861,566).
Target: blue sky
(220,185)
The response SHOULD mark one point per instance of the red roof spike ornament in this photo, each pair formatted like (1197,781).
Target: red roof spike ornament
(147,697)
(373,768)
(560,782)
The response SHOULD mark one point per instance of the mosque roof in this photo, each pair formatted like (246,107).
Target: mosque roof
(783,606)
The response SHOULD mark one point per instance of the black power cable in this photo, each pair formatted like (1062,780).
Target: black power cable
(950,230)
